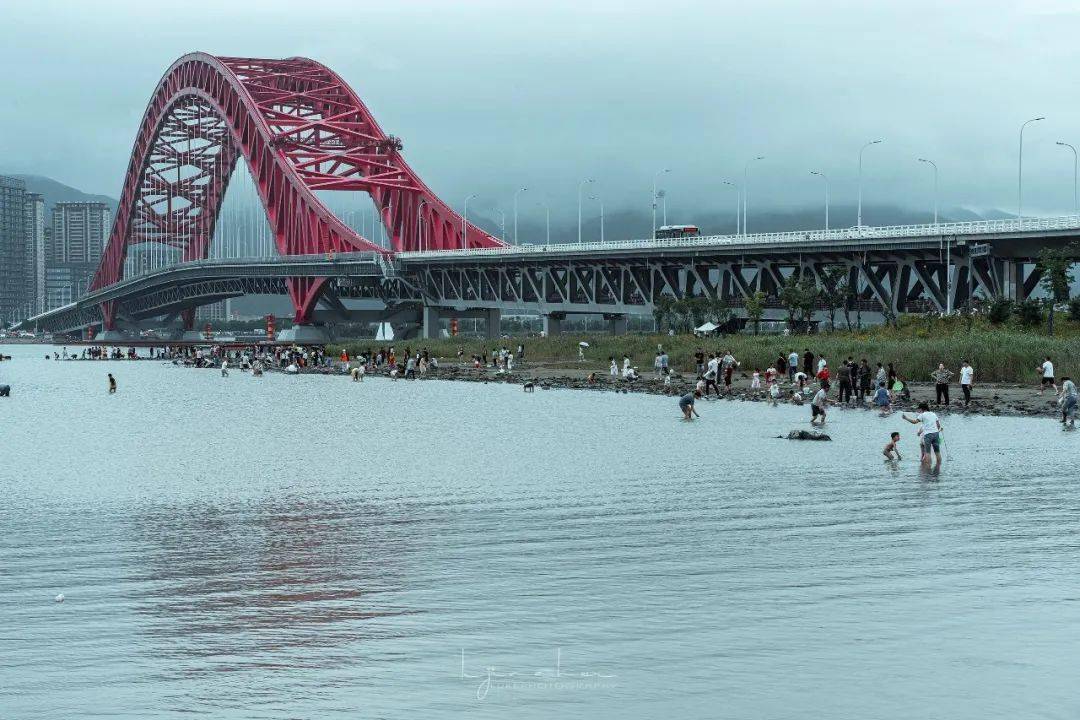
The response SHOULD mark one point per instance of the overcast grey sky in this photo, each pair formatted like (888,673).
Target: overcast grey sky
(490,96)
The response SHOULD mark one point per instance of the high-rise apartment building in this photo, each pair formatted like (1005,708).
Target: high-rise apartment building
(35,252)
(77,237)
(14,302)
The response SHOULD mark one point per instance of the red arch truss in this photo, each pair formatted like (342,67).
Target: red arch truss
(300,128)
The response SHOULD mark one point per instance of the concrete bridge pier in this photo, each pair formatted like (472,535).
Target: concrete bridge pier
(430,323)
(492,322)
(553,324)
(616,323)
(304,335)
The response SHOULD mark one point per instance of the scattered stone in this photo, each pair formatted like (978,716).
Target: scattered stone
(807,435)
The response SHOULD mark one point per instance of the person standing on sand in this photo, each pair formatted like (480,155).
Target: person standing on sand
(614,372)
(808,363)
(625,365)
(1047,369)
(941,378)
(712,371)
(792,365)
(843,377)
(112,384)
(967,374)
(656,365)
(728,364)
(699,362)
(864,381)
(686,404)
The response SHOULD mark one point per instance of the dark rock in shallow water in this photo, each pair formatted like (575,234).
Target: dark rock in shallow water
(807,435)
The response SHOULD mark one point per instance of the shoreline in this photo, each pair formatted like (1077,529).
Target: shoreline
(989,399)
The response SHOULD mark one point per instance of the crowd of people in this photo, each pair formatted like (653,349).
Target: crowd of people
(858,382)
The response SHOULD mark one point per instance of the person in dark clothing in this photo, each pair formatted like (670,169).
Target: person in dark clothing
(781,366)
(808,363)
(843,376)
(864,383)
(891,372)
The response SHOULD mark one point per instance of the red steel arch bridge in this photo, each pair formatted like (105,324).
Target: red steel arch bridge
(303,133)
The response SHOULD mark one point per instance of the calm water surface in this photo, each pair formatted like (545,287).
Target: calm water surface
(309,547)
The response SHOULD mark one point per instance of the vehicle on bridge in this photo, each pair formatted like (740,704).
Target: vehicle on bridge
(667,232)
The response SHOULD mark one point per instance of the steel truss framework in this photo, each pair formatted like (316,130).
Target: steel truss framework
(300,129)
(889,281)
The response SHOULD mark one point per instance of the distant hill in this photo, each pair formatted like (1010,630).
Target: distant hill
(54,192)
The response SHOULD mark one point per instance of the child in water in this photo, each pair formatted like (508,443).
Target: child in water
(892,449)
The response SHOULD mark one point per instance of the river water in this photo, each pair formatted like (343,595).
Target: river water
(291,547)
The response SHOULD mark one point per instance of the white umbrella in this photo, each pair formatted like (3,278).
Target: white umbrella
(583,344)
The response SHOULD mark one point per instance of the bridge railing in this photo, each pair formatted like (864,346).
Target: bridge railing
(975,227)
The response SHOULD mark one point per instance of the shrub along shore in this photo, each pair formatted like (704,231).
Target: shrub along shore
(1006,353)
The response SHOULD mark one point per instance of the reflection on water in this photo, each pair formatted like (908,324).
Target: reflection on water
(311,547)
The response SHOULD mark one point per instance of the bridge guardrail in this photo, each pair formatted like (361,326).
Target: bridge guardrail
(974,227)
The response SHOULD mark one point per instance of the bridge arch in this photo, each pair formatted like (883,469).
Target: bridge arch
(300,129)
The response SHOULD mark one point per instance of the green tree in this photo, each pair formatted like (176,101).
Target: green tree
(1029,312)
(1001,309)
(799,297)
(834,292)
(1056,267)
(755,308)
(662,309)
(718,310)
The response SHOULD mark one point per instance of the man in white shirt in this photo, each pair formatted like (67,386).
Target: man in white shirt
(930,433)
(1047,369)
(712,372)
(967,374)
(821,364)
(792,366)
(817,407)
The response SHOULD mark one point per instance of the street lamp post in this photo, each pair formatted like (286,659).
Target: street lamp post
(1076,198)
(872,142)
(547,221)
(657,174)
(594,197)
(932,164)
(502,224)
(826,179)
(580,187)
(465,224)
(746,192)
(737,200)
(948,242)
(1020,174)
(516,193)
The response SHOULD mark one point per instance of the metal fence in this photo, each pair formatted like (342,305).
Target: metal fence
(978,227)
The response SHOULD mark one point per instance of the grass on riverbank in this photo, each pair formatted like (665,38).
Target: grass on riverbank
(1007,353)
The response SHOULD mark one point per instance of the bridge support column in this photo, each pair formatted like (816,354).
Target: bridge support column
(305,335)
(432,326)
(188,317)
(493,318)
(553,324)
(616,323)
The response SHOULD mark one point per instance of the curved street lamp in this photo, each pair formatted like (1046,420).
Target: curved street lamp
(858,223)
